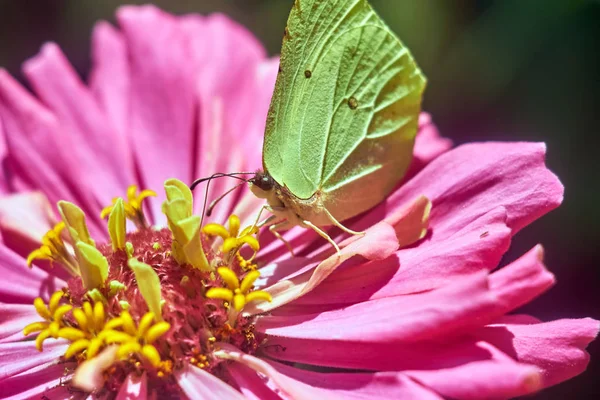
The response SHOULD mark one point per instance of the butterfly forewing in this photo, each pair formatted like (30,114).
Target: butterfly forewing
(345,109)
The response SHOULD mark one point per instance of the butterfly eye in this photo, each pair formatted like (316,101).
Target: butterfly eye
(263,180)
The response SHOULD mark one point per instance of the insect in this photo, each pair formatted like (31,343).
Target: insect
(343,117)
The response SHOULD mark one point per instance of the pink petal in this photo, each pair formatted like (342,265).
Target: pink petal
(429,144)
(469,181)
(556,347)
(26,283)
(44,381)
(375,356)
(24,220)
(4,180)
(89,375)
(409,318)
(110,75)
(22,356)
(251,385)
(234,90)
(497,378)
(134,388)
(101,152)
(521,281)
(462,369)
(379,242)
(199,384)
(431,264)
(13,318)
(410,223)
(390,385)
(163,104)
(298,384)
(40,152)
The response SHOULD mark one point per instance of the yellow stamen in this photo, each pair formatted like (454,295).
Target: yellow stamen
(258,295)
(145,323)
(219,293)
(233,240)
(235,292)
(239,301)
(81,319)
(128,323)
(39,340)
(60,312)
(234,225)
(213,229)
(54,300)
(53,315)
(41,309)
(53,249)
(132,207)
(151,354)
(229,277)
(156,331)
(249,280)
(99,316)
(77,347)
(35,327)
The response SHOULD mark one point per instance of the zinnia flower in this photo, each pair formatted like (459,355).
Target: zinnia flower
(416,308)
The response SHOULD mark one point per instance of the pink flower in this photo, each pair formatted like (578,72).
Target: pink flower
(414,309)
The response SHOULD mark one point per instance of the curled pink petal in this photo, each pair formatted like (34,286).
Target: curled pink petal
(292,383)
(199,384)
(497,378)
(134,388)
(556,347)
(379,242)
(251,385)
(522,280)
(433,264)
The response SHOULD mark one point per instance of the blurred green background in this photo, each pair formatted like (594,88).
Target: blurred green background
(498,70)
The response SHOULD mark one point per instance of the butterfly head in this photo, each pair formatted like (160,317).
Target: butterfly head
(262,184)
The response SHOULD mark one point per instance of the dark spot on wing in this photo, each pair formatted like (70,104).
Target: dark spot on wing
(352,103)
(307,73)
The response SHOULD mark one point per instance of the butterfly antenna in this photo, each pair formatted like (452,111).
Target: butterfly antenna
(210,178)
(218,199)
(219,175)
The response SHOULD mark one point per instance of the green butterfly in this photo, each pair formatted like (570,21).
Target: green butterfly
(343,117)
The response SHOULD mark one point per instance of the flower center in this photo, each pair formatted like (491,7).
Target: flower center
(153,299)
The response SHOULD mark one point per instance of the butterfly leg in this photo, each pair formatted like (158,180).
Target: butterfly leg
(263,223)
(282,225)
(323,234)
(339,224)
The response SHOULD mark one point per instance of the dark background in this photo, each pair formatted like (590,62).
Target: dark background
(497,70)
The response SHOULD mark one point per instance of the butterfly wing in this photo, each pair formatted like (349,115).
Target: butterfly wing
(344,113)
